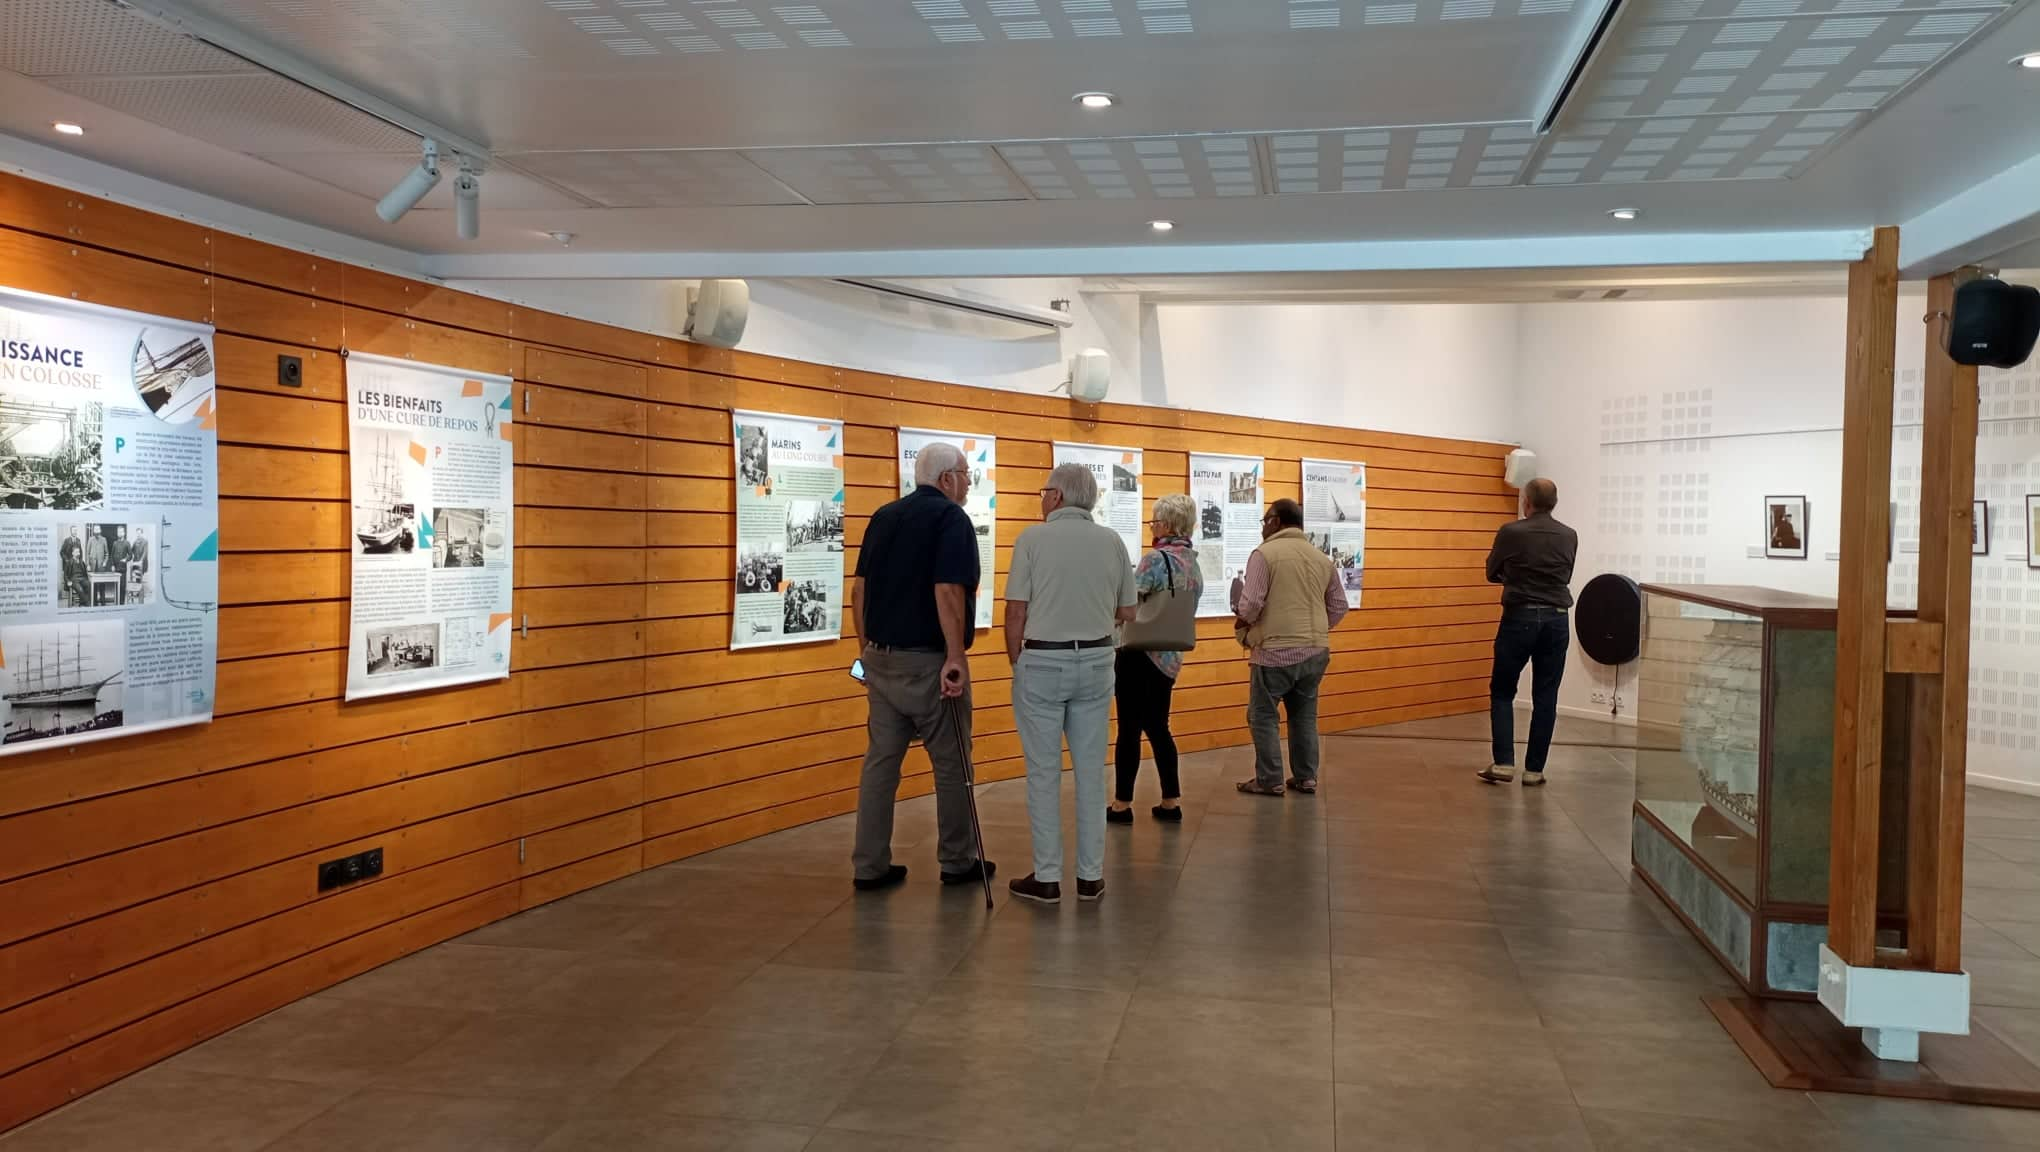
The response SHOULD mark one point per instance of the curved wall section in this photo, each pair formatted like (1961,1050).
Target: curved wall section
(158,890)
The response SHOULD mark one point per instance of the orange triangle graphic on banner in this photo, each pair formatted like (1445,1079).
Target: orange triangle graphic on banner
(417,452)
(471,387)
(208,416)
(497,620)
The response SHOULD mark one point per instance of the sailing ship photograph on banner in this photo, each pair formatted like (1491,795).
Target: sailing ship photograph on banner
(430,454)
(109,522)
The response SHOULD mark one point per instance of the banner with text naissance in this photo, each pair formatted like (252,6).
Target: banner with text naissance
(981,453)
(1118,471)
(1228,494)
(789,578)
(1335,518)
(430,456)
(109,522)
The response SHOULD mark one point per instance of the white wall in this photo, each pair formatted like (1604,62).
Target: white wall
(1665,425)
(1433,369)
(1436,369)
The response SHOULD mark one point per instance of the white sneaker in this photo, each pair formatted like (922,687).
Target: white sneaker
(1498,773)
(1533,779)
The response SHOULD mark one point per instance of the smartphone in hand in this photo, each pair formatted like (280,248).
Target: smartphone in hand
(857,670)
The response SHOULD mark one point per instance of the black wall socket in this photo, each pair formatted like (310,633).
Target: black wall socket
(349,869)
(290,372)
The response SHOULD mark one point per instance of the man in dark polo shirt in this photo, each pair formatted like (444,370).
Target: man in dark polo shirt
(916,591)
(1533,562)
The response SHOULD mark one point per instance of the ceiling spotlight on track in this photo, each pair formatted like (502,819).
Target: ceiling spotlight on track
(412,188)
(467,201)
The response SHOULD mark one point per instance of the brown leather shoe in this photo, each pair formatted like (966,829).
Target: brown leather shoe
(1032,890)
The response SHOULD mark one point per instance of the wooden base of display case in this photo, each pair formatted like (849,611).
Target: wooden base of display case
(1801,1046)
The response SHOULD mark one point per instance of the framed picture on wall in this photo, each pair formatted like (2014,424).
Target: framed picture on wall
(1979,528)
(2033,529)
(1785,527)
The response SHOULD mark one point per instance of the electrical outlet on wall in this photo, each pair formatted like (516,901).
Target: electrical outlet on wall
(1598,698)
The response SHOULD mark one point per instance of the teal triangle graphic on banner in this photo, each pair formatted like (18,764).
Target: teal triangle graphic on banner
(839,495)
(985,455)
(993,503)
(424,532)
(208,549)
(832,441)
(505,405)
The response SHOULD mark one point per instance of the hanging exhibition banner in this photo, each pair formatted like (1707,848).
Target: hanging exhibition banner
(430,455)
(109,522)
(1118,472)
(981,453)
(1335,517)
(789,578)
(1228,494)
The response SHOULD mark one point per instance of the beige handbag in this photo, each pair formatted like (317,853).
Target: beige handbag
(1166,619)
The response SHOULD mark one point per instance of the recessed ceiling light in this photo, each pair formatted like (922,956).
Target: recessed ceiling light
(1162,225)
(2029,60)
(1625,213)
(1096,99)
(65,127)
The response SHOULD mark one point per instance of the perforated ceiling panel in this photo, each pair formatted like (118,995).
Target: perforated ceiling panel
(908,174)
(662,27)
(1404,158)
(44,38)
(1744,89)
(1164,169)
(260,114)
(370,175)
(658,178)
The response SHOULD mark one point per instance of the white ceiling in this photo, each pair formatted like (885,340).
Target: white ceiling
(937,136)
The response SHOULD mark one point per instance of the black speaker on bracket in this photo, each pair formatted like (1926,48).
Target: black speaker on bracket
(1993,324)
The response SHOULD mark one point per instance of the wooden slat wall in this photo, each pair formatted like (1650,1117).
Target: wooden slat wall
(155,891)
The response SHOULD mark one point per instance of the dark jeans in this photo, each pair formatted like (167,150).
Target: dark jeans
(1143,695)
(1538,637)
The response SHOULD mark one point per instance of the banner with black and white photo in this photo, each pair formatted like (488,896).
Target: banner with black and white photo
(109,522)
(430,456)
(1335,518)
(789,577)
(1118,471)
(981,455)
(1228,494)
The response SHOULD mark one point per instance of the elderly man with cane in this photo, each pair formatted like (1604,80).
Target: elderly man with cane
(917,580)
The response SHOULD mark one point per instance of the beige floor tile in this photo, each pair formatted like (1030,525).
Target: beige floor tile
(163,1110)
(1210,1037)
(621,1124)
(1394,1052)
(391,1120)
(532,1056)
(786,998)
(1140,1106)
(1418,988)
(780,1076)
(470,977)
(1665,1009)
(1703,1078)
(325,1040)
(1455,1118)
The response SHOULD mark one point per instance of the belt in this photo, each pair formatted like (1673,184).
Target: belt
(889,648)
(1067,645)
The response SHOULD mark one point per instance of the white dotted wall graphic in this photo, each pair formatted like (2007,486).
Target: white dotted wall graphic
(1683,503)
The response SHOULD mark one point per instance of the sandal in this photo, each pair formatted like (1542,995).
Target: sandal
(1307,787)
(1254,788)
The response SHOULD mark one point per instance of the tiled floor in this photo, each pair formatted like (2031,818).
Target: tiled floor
(1410,960)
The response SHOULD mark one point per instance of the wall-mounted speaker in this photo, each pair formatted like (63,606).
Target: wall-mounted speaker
(1090,375)
(717,312)
(1521,468)
(1993,324)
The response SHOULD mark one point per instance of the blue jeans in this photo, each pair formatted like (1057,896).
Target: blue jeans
(1058,695)
(1538,637)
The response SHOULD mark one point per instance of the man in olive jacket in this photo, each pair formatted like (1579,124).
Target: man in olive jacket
(1288,601)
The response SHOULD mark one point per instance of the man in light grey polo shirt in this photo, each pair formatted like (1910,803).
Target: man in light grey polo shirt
(1071,582)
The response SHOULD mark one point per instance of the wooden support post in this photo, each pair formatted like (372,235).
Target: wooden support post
(1859,626)
(1940,716)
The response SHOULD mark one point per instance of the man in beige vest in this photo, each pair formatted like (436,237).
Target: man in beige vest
(1288,601)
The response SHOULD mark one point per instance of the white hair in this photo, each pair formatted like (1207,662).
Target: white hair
(1079,487)
(934,460)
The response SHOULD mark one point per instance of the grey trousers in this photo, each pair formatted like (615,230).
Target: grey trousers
(1058,694)
(904,690)
(1296,689)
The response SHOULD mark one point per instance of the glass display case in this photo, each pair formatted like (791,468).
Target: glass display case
(1734,776)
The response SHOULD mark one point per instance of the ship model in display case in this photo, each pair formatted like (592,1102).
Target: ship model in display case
(1734,776)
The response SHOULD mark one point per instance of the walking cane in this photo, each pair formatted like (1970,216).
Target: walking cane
(957,716)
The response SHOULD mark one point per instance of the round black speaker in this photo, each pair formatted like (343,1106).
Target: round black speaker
(1609,619)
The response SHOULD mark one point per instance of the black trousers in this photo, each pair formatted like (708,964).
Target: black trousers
(1142,693)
